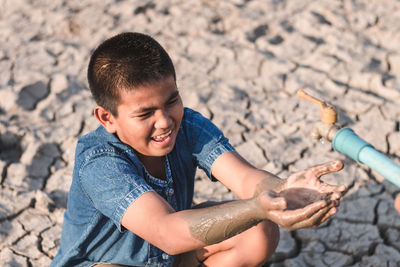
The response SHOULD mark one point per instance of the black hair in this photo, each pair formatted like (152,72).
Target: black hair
(124,62)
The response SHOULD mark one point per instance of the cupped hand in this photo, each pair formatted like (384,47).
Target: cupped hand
(297,198)
(309,179)
(291,218)
(306,200)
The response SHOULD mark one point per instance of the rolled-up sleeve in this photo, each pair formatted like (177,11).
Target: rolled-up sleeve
(112,183)
(208,141)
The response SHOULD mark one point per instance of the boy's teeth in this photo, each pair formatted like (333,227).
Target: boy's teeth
(163,135)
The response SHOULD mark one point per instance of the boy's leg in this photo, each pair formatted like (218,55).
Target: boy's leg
(397,203)
(251,248)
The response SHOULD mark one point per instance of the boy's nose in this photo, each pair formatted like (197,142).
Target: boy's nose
(163,120)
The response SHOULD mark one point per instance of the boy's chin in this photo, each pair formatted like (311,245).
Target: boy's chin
(159,152)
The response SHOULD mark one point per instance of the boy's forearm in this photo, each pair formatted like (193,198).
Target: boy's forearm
(258,181)
(269,182)
(242,177)
(217,223)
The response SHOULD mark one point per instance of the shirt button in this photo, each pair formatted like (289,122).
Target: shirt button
(165,256)
(170,192)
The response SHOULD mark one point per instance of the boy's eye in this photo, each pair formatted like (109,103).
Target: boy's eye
(144,115)
(173,101)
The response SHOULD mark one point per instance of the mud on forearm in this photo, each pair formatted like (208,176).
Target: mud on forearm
(217,223)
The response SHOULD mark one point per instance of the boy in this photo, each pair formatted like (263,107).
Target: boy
(131,194)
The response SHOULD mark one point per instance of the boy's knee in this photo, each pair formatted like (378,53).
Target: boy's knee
(250,248)
(267,239)
(271,230)
(260,244)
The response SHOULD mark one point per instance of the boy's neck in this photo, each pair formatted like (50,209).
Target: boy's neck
(155,166)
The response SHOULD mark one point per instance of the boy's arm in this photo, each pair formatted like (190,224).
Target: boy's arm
(154,220)
(299,190)
(245,180)
(241,177)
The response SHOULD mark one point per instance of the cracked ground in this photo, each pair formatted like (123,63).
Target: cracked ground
(238,62)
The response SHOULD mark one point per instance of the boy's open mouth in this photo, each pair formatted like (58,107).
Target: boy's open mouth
(162,137)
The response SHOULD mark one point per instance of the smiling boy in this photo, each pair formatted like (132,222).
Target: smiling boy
(130,202)
(141,124)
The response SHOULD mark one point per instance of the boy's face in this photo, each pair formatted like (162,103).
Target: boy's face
(149,118)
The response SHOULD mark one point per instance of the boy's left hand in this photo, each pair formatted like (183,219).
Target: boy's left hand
(305,187)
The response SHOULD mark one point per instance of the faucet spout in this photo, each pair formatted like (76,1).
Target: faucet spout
(324,130)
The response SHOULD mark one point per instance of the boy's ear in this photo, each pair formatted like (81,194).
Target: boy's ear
(106,118)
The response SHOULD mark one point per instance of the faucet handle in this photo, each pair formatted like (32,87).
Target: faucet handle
(328,113)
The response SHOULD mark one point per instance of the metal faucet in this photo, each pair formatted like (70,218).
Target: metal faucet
(327,127)
(347,142)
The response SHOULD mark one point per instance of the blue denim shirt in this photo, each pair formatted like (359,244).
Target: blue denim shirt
(108,177)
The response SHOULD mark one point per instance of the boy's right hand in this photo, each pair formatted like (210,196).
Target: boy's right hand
(306,200)
(280,210)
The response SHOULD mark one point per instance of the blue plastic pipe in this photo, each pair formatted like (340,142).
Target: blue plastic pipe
(350,144)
